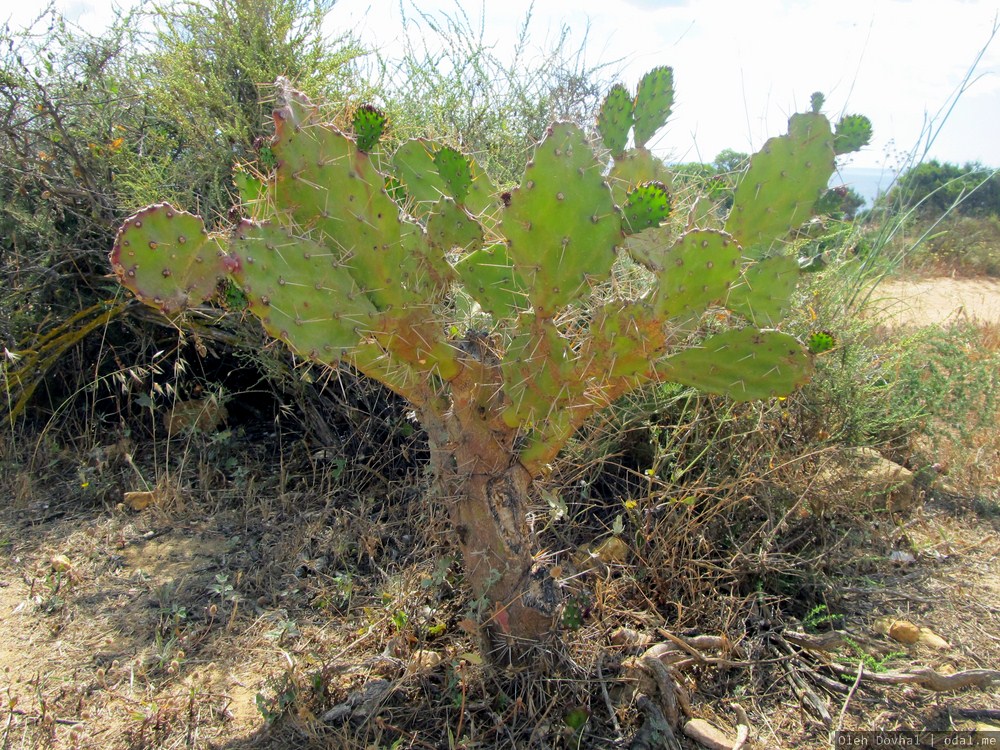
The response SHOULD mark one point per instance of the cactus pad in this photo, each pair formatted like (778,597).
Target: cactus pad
(369,124)
(413,165)
(615,119)
(427,170)
(634,168)
(646,205)
(745,364)
(697,271)
(782,184)
(764,294)
(489,278)
(167,259)
(301,294)
(539,372)
(455,172)
(324,183)
(625,340)
(561,225)
(653,101)
(449,227)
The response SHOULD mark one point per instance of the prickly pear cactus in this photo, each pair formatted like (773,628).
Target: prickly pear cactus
(371,256)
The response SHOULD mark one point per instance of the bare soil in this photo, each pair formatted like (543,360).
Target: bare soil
(184,626)
(938,301)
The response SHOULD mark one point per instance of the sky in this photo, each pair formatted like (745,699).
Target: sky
(741,67)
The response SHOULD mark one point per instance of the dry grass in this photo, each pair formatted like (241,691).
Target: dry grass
(274,579)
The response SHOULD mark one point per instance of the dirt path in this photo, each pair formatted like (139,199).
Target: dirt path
(940,300)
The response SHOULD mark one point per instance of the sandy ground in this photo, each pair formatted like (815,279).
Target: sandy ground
(940,300)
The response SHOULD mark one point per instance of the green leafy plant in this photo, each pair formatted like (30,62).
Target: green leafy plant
(499,317)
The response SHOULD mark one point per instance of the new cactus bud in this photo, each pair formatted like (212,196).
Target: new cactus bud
(369,124)
(646,205)
(853,132)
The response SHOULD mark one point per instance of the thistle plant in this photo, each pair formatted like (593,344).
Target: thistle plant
(375,260)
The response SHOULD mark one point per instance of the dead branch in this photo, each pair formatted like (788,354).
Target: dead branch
(928,678)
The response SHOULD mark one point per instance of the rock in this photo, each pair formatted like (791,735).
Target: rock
(903,631)
(861,478)
(907,632)
(708,735)
(361,704)
(139,500)
(423,660)
(611,551)
(928,637)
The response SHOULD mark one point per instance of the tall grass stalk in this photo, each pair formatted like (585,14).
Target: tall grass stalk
(886,256)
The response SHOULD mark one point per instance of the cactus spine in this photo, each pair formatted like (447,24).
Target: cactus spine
(359,256)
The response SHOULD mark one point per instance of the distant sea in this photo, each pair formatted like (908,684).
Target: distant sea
(869,182)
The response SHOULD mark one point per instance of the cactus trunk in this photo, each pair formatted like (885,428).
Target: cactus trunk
(476,472)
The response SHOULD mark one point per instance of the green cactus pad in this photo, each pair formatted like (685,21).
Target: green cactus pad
(325,184)
(646,205)
(489,278)
(782,184)
(650,247)
(635,168)
(456,173)
(449,228)
(369,124)
(653,101)
(249,186)
(853,132)
(417,164)
(300,292)
(561,225)
(615,119)
(539,373)
(697,271)
(764,294)
(167,259)
(413,165)
(481,201)
(745,364)
(703,214)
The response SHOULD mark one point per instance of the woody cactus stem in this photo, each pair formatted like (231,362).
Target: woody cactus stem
(357,256)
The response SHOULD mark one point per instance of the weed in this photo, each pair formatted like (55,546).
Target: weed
(819,616)
(872,664)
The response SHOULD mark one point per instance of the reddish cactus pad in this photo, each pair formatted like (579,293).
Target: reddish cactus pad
(167,259)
